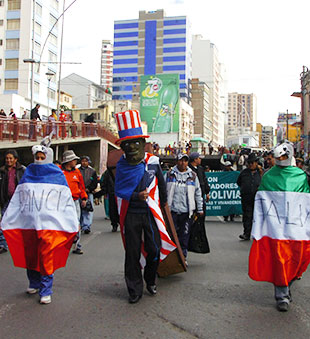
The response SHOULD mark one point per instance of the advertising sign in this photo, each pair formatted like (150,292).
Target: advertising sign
(159,102)
(224,194)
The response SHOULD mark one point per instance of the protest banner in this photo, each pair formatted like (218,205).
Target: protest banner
(224,194)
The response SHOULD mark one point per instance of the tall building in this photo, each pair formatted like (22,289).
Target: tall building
(106,75)
(267,137)
(151,44)
(24,32)
(206,67)
(201,106)
(242,111)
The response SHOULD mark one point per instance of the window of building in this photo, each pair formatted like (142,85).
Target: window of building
(52,57)
(1,42)
(12,44)
(37,28)
(36,87)
(37,47)
(54,4)
(11,64)
(51,93)
(11,84)
(1,2)
(13,24)
(38,9)
(1,22)
(13,5)
(53,39)
(53,20)
(0,62)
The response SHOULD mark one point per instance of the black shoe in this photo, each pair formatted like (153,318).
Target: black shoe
(86,231)
(225,218)
(232,219)
(3,250)
(114,228)
(77,251)
(133,299)
(244,237)
(151,289)
(282,307)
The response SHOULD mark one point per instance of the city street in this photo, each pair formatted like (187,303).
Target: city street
(214,299)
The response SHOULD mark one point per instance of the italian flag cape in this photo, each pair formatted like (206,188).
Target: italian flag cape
(127,179)
(40,222)
(280,251)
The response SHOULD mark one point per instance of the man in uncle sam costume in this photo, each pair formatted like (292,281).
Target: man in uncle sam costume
(140,190)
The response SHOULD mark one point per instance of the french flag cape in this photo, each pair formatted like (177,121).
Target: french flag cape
(127,179)
(280,251)
(40,222)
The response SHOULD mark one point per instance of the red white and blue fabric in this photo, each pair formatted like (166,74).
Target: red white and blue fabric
(167,245)
(129,125)
(40,222)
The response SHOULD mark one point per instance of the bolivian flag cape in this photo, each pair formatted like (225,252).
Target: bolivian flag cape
(40,222)
(281,228)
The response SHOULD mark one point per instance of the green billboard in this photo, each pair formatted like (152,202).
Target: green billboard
(159,102)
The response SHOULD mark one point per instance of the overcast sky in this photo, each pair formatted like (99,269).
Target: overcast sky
(263,43)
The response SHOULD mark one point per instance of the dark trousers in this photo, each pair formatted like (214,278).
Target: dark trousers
(247,218)
(114,217)
(182,224)
(134,225)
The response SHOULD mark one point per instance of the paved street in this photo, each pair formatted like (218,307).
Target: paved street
(214,299)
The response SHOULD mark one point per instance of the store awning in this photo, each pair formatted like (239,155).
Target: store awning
(201,139)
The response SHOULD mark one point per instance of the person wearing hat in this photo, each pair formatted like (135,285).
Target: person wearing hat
(76,184)
(90,181)
(141,191)
(195,165)
(249,179)
(184,197)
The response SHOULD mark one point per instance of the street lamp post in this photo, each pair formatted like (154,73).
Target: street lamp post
(49,75)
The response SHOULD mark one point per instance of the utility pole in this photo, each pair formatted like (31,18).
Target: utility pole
(287,125)
(32,54)
(60,57)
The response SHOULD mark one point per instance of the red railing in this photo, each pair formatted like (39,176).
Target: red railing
(18,130)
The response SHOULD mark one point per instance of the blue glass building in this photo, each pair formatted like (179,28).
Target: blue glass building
(152,44)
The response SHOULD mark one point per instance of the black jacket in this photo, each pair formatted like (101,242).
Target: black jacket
(34,114)
(248,184)
(4,197)
(205,188)
(90,178)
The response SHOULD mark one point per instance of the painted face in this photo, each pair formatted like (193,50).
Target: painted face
(134,150)
(182,164)
(10,160)
(40,156)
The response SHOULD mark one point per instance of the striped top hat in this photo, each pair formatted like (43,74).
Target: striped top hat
(129,125)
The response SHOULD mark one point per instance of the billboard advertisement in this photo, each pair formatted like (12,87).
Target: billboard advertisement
(159,102)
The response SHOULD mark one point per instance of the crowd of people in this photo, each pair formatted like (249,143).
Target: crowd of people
(137,192)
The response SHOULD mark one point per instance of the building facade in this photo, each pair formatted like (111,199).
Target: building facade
(207,68)
(28,32)
(201,106)
(242,110)
(151,44)
(267,137)
(85,93)
(106,74)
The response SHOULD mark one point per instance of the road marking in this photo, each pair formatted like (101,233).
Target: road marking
(4,309)
(220,219)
